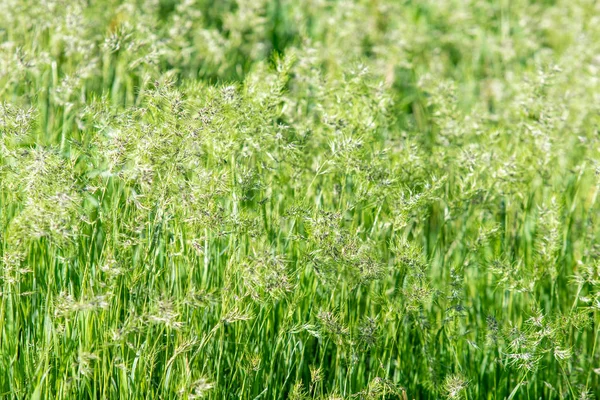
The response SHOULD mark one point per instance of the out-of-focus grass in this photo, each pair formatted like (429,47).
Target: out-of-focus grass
(299,199)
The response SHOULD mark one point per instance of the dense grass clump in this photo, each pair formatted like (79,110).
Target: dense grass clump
(282,199)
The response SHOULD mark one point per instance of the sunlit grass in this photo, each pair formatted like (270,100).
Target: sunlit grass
(282,199)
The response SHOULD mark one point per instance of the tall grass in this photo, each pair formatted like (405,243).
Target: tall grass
(280,199)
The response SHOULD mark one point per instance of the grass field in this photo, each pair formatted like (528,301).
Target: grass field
(284,199)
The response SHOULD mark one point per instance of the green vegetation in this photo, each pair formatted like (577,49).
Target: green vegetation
(283,199)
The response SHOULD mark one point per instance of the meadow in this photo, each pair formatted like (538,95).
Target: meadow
(315,199)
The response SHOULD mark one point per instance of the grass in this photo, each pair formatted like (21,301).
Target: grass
(313,199)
